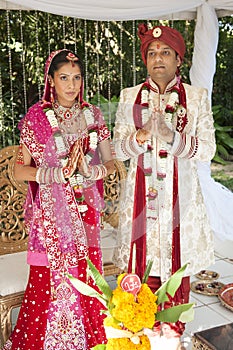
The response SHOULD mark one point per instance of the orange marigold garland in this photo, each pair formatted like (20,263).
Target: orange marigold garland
(132,309)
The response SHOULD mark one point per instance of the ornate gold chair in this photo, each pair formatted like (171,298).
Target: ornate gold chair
(13,237)
(13,241)
(113,185)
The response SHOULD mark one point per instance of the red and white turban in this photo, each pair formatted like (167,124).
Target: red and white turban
(168,35)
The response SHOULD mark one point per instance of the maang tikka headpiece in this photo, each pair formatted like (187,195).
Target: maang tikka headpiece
(72,58)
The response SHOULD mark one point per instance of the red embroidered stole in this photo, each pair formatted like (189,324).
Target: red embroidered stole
(139,212)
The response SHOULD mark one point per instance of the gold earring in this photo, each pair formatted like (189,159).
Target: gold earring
(51,94)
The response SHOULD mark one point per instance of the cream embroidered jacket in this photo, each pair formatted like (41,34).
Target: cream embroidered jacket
(197,142)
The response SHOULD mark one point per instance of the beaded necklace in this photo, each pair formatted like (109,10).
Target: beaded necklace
(66,113)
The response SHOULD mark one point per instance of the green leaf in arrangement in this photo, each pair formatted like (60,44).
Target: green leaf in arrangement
(171,286)
(106,312)
(187,315)
(100,281)
(99,347)
(147,272)
(183,313)
(87,290)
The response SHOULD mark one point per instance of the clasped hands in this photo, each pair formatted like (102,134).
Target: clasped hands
(76,161)
(156,127)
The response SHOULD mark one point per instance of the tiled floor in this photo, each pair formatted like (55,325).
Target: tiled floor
(209,312)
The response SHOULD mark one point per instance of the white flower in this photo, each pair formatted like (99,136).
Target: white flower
(79,178)
(60,144)
(50,113)
(144,96)
(145,115)
(82,208)
(147,160)
(93,140)
(73,181)
(52,118)
(88,116)
(64,161)
(173,99)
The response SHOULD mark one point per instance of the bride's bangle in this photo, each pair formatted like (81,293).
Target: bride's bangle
(97,172)
(50,175)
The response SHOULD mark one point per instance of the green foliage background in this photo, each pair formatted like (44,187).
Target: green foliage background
(111,54)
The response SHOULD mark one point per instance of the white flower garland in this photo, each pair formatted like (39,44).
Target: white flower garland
(59,140)
(155,180)
(77,180)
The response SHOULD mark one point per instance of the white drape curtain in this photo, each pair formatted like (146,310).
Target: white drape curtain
(119,9)
(205,48)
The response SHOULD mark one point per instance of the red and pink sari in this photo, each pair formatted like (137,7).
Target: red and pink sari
(53,314)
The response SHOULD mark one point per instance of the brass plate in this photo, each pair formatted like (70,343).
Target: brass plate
(207,275)
(206,287)
(226,296)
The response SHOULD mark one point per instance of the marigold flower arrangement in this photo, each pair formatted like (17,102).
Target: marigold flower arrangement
(132,309)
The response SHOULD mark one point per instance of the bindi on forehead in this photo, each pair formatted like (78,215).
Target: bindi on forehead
(158,44)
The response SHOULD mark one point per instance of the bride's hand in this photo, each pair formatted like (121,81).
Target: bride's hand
(83,167)
(73,160)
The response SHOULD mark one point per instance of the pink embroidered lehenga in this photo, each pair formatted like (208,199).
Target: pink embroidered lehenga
(53,314)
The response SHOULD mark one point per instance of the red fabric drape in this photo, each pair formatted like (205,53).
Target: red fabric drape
(138,237)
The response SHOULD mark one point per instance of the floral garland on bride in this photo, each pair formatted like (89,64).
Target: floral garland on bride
(77,179)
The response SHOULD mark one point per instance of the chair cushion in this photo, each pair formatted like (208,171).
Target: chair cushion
(13,273)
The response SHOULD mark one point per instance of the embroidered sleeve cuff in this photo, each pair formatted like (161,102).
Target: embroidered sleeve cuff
(184,146)
(131,148)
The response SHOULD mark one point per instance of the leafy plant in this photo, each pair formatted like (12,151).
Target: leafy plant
(111,54)
(223,178)
(224,141)
(108,108)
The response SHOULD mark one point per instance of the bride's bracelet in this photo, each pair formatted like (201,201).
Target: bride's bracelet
(50,175)
(98,172)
